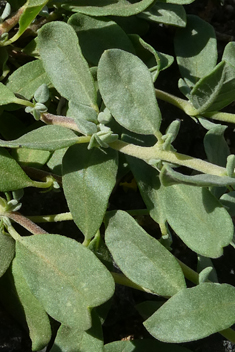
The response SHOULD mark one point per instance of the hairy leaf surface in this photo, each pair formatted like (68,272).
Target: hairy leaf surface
(91,176)
(65,277)
(194,313)
(127,90)
(141,257)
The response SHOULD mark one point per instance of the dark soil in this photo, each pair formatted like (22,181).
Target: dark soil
(123,321)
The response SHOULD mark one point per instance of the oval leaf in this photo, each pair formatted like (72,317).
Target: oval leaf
(62,55)
(194,313)
(44,138)
(69,277)
(127,89)
(108,8)
(198,218)
(141,257)
(91,174)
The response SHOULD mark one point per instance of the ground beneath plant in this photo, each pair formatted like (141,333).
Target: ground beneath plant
(123,321)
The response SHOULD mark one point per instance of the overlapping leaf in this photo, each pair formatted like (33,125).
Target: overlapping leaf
(141,257)
(91,176)
(65,277)
(127,90)
(194,313)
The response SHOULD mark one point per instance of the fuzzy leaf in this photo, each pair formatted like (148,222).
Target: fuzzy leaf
(70,279)
(44,138)
(12,177)
(71,340)
(170,14)
(198,219)
(97,35)
(141,257)
(196,51)
(142,346)
(127,90)
(32,74)
(106,7)
(194,313)
(60,52)
(7,251)
(6,95)
(36,317)
(91,174)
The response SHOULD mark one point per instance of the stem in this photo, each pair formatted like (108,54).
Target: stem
(221,116)
(26,223)
(14,234)
(63,121)
(148,153)
(7,25)
(51,218)
(23,102)
(182,104)
(47,184)
(189,273)
(229,334)
(123,280)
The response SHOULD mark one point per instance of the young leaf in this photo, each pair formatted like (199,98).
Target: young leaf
(127,90)
(32,74)
(196,51)
(142,346)
(71,340)
(214,91)
(7,251)
(198,219)
(97,35)
(141,257)
(44,138)
(215,145)
(107,8)
(194,313)
(229,53)
(36,317)
(60,52)
(91,175)
(12,177)
(70,279)
(166,13)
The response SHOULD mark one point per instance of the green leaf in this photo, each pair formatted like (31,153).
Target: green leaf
(198,218)
(169,177)
(228,201)
(6,95)
(127,90)
(215,145)
(31,157)
(150,187)
(97,35)
(7,252)
(106,7)
(31,10)
(12,177)
(36,317)
(70,279)
(141,257)
(91,174)
(196,51)
(229,54)
(71,340)
(60,52)
(142,346)
(194,313)
(214,91)
(166,13)
(32,74)
(44,138)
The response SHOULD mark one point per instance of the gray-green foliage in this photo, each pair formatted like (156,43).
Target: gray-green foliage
(97,135)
